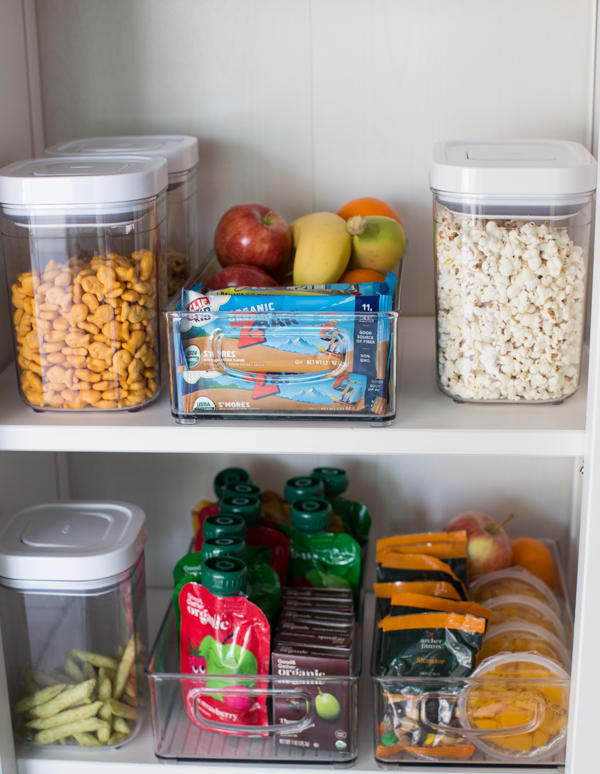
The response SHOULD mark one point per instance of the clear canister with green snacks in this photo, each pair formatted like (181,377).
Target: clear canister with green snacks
(74,624)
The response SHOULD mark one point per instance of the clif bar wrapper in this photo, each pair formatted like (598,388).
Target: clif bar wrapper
(293,619)
(303,626)
(321,604)
(316,614)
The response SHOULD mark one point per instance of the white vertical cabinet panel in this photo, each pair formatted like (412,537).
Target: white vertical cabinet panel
(16,134)
(403,493)
(234,73)
(391,77)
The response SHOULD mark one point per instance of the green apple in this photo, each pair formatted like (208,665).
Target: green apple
(378,242)
(328,707)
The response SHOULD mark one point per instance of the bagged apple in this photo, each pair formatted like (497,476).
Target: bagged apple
(221,633)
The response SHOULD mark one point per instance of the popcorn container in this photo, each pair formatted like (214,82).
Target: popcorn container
(83,241)
(512,229)
(181,153)
(74,626)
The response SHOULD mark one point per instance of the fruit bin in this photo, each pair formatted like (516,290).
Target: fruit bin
(442,708)
(178,740)
(281,365)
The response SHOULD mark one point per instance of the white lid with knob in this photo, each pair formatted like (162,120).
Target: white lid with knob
(71,541)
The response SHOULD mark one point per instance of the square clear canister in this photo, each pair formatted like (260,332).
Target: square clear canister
(84,247)
(74,625)
(181,153)
(511,238)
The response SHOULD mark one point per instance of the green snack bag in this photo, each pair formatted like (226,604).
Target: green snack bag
(317,558)
(354,516)
(229,477)
(189,566)
(430,644)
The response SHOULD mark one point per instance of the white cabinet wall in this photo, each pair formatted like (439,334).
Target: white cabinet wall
(304,104)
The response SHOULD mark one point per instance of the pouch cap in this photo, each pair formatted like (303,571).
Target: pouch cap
(224,576)
(224,546)
(223,525)
(310,515)
(303,486)
(335,480)
(245,489)
(230,476)
(246,506)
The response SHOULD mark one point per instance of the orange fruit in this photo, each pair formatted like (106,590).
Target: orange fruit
(362,275)
(533,556)
(368,205)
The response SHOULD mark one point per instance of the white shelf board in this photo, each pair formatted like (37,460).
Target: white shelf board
(428,422)
(137,757)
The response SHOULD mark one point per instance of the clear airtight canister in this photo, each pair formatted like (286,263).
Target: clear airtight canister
(84,247)
(511,237)
(181,153)
(74,625)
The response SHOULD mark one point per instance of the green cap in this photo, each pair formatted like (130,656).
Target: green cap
(245,489)
(223,525)
(228,477)
(246,506)
(335,480)
(224,546)
(303,486)
(310,515)
(224,576)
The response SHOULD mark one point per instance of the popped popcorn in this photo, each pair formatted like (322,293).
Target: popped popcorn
(510,306)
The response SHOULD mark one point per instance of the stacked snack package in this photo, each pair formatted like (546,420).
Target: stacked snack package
(427,629)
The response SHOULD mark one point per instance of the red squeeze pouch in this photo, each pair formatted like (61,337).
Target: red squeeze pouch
(278,544)
(219,637)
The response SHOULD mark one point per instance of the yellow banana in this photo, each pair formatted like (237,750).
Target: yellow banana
(322,248)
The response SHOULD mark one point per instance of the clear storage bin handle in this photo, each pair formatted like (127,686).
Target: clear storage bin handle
(538,702)
(270,730)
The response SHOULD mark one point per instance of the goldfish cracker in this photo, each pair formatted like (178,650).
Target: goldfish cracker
(517,608)
(517,637)
(524,692)
(514,580)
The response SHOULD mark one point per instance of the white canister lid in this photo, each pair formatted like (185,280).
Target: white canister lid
(73,180)
(71,541)
(180,150)
(540,168)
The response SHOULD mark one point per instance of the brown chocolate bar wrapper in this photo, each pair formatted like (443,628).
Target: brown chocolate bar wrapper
(317,593)
(316,639)
(316,614)
(304,626)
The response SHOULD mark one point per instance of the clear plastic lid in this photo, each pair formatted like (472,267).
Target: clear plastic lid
(511,608)
(180,150)
(514,580)
(522,637)
(82,180)
(70,541)
(520,691)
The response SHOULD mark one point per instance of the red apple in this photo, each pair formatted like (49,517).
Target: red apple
(240,275)
(488,546)
(253,234)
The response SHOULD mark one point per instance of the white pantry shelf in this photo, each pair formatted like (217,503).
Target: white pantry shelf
(428,422)
(137,757)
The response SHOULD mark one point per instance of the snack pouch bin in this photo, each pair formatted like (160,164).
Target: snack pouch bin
(181,153)
(74,624)
(83,240)
(512,229)
(281,365)
(178,740)
(430,719)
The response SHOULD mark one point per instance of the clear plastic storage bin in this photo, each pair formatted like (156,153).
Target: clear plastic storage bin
(512,229)
(74,626)
(181,153)
(83,242)
(513,708)
(178,740)
(288,365)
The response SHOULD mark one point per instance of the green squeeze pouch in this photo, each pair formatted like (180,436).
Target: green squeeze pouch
(317,558)
(416,567)
(430,644)
(221,634)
